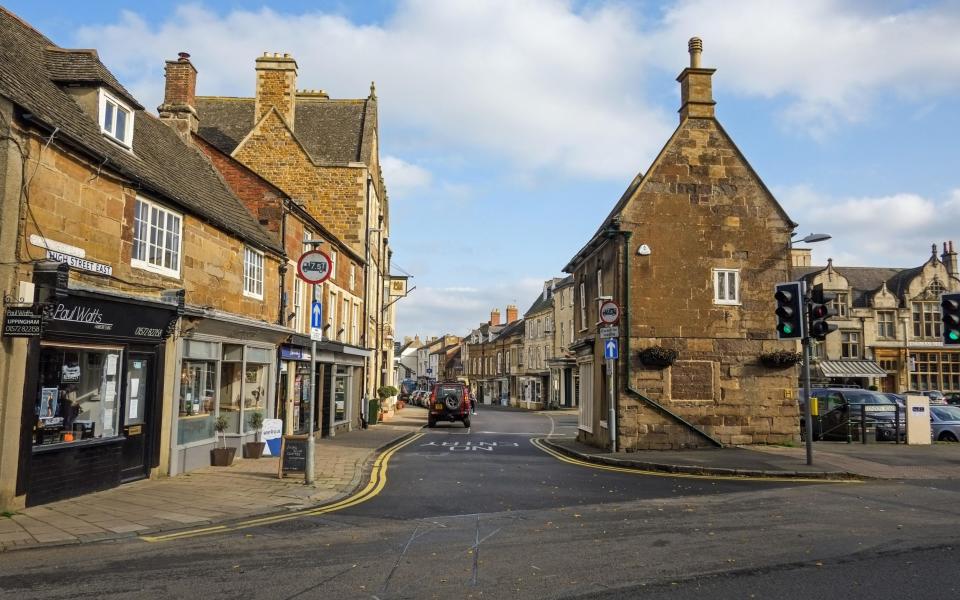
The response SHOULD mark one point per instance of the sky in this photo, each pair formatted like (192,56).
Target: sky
(509,129)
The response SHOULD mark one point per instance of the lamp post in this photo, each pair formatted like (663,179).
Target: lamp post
(807,357)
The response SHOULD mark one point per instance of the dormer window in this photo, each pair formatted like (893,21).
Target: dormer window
(116,119)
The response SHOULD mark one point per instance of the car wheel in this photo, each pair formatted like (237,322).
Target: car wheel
(948,436)
(466,423)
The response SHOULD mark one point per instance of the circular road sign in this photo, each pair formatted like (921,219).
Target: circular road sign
(609,312)
(314,267)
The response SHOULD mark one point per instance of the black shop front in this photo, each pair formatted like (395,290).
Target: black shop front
(92,405)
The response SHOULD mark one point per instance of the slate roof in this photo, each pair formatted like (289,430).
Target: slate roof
(161,164)
(866,280)
(331,131)
(83,66)
(518,327)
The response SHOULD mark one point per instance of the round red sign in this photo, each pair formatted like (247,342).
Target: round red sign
(314,267)
(609,312)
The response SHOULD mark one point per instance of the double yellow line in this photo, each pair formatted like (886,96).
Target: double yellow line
(378,480)
(538,442)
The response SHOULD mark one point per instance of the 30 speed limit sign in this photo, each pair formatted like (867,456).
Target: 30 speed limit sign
(609,312)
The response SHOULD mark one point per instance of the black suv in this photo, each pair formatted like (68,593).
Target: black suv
(840,410)
(449,401)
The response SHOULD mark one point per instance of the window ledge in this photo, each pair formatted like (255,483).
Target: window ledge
(247,294)
(136,263)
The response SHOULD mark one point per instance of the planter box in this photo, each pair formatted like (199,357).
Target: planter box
(253,449)
(222,457)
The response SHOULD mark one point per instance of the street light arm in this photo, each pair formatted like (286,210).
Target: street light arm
(392,302)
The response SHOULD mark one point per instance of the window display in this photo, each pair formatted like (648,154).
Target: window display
(340,395)
(198,392)
(79,391)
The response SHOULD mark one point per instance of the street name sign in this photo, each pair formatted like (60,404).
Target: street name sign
(314,267)
(611,349)
(609,312)
(610,332)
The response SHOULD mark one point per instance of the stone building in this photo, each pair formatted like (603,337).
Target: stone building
(340,359)
(324,153)
(691,252)
(562,364)
(539,347)
(158,289)
(889,330)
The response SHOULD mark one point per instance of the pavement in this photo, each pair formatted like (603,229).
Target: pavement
(209,495)
(831,460)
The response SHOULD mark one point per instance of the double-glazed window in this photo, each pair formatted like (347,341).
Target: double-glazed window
(726,286)
(116,119)
(157,232)
(253,273)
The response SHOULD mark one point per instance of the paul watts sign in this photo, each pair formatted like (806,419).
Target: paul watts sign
(105,317)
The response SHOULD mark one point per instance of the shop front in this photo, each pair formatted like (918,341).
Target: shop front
(295,387)
(92,406)
(226,368)
(341,375)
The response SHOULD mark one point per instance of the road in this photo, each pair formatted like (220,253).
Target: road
(484,513)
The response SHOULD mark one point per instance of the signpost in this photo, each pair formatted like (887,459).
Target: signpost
(314,267)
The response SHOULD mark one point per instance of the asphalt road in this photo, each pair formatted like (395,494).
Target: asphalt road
(482,513)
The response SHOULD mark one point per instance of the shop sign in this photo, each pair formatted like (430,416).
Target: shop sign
(21,322)
(102,317)
(271,433)
(294,353)
(80,263)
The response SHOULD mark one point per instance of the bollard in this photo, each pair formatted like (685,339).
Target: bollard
(863,423)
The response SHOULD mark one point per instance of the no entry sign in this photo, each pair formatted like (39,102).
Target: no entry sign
(314,267)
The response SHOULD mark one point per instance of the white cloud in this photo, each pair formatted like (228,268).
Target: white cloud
(893,231)
(829,58)
(535,83)
(403,178)
(457,310)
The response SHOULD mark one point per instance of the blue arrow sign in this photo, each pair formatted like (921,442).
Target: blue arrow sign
(611,349)
(316,315)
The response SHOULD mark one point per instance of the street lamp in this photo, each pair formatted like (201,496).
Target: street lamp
(807,357)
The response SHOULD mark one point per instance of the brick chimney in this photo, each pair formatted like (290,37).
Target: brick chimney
(495,316)
(511,313)
(696,86)
(179,96)
(949,258)
(276,86)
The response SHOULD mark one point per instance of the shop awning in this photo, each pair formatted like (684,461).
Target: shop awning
(851,368)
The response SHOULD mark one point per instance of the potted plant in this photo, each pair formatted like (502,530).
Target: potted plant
(781,359)
(254,449)
(658,356)
(386,391)
(222,456)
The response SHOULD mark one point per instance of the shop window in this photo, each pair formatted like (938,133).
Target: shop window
(79,394)
(340,386)
(198,393)
(255,388)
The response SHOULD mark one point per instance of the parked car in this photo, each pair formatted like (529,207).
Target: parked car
(936,396)
(945,423)
(900,400)
(840,410)
(449,401)
(952,398)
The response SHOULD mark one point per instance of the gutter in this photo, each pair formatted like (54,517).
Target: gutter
(625,271)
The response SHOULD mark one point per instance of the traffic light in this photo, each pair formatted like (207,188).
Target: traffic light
(790,320)
(950,315)
(820,311)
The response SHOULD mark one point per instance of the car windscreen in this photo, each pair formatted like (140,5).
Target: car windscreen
(865,397)
(946,413)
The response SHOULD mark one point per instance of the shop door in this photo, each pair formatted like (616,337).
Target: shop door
(138,399)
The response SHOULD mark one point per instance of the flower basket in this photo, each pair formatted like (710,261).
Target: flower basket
(658,356)
(781,359)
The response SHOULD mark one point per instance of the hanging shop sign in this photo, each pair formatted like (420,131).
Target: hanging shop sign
(21,322)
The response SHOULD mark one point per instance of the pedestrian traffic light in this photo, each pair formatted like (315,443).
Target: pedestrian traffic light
(790,320)
(950,315)
(820,311)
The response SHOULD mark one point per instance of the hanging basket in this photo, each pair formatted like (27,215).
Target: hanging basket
(658,357)
(781,359)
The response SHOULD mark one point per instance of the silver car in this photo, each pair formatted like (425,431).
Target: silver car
(945,422)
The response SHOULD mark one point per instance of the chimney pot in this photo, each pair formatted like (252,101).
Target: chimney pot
(183,56)
(696,85)
(695,47)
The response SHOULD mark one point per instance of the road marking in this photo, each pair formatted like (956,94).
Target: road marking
(378,480)
(538,443)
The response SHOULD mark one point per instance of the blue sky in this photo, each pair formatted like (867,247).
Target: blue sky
(509,129)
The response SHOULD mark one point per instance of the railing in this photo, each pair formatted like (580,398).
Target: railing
(855,420)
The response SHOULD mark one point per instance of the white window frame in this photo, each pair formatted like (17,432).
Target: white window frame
(332,314)
(599,283)
(334,255)
(105,97)
(585,396)
(344,316)
(716,288)
(353,276)
(139,263)
(298,301)
(253,268)
(355,324)
(583,307)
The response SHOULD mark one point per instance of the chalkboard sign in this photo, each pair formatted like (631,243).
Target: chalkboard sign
(293,455)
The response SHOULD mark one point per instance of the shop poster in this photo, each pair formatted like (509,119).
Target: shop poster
(272,434)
